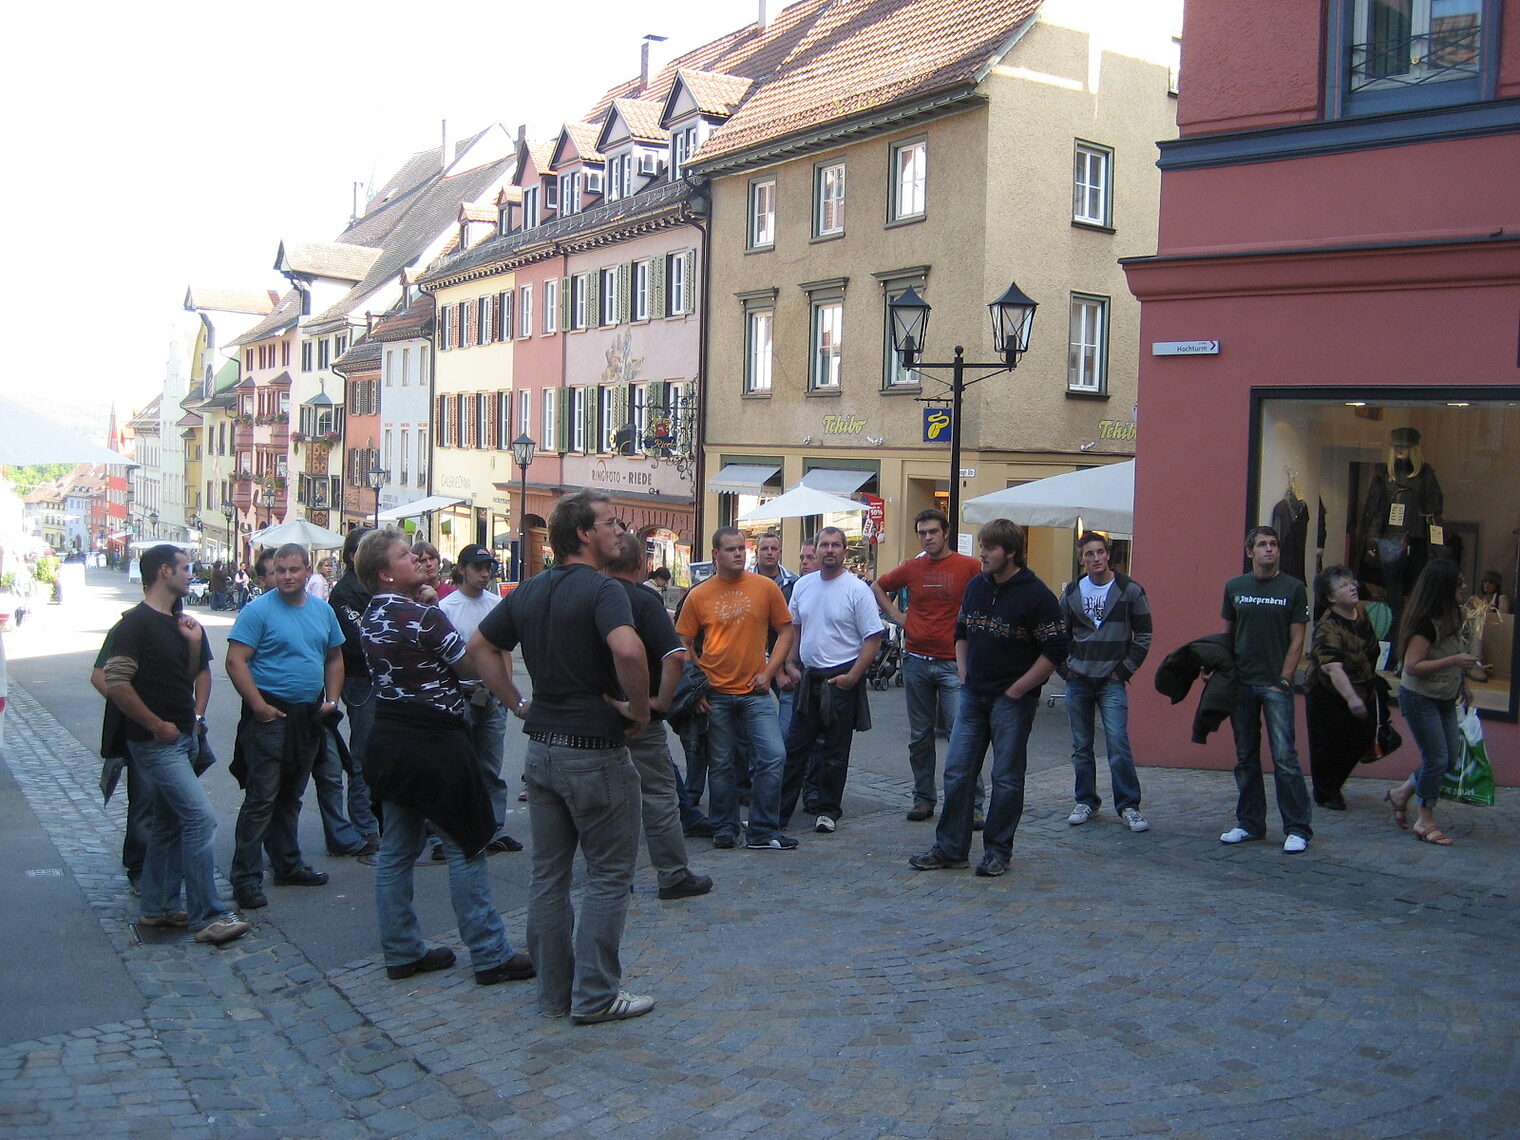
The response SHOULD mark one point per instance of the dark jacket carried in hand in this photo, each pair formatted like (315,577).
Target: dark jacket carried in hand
(424,758)
(306,730)
(1181,668)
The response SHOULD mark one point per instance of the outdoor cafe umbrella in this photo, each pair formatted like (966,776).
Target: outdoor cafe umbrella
(1102,497)
(800,502)
(301,531)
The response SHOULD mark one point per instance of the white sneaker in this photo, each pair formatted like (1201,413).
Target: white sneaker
(1295,844)
(1080,814)
(1237,835)
(1134,820)
(825,825)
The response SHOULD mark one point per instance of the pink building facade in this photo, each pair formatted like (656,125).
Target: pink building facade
(1338,258)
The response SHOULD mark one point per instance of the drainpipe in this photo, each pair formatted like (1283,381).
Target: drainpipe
(699,432)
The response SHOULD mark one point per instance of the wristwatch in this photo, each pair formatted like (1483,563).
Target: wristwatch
(522,703)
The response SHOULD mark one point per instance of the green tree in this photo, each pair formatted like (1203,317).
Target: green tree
(28,479)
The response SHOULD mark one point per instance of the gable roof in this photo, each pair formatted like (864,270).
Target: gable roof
(576,141)
(408,325)
(538,152)
(256,301)
(282,319)
(362,357)
(337,260)
(716,95)
(861,56)
(639,119)
(389,204)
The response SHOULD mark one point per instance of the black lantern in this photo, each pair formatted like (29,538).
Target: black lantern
(910,325)
(377,475)
(1012,322)
(524,447)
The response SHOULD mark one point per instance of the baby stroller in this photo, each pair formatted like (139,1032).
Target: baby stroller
(886,668)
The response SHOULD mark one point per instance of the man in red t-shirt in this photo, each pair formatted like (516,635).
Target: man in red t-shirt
(935,581)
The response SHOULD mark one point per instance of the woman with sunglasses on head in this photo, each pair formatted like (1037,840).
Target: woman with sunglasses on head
(1435,663)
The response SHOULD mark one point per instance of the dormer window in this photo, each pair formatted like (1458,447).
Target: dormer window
(619,177)
(570,193)
(682,143)
(530,216)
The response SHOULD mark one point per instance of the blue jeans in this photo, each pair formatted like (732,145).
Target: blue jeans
(359,703)
(341,836)
(183,834)
(818,754)
(469,890)
(754,715)
(786,700)
(1434,725)
(1112,701)
(271,809)
(488,734)
(586,799)
(1274,704)
(134,843)
(933,689)
(1004,723)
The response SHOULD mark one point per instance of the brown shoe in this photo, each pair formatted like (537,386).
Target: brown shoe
(518,968)
(921,811)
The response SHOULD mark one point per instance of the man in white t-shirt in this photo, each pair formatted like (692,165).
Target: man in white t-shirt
(466,607)
(838,633)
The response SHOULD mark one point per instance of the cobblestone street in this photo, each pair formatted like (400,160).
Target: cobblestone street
(1112,984)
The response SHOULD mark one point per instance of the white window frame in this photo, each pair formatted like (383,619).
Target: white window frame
(551,305)
(759,360)
(1092,184)
(639,306)
(826,344)
(762,213)
(579,286)
(390,368)
(910,176)
(530,207)
(482,424)
(606,413)
(828,199)
(406,367)
(483,319)
(524,412)
(525,303)
(577,397)
(570,193)
(1087,344)
(424,435)
(611,302)
(894,377)
(677,287)
(504,419)
(549,419)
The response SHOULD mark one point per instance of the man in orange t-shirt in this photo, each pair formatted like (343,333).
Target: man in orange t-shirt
(733,613)
(935,581)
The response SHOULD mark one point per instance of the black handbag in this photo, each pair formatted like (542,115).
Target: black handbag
(1387,740)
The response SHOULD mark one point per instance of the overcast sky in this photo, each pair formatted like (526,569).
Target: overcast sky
(164,143)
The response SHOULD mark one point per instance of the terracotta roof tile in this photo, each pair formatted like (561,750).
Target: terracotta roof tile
(863,55)
(643,119)
(714,93)
(257,301)
(337,260)
(471,213)
(407,325)
(285,315)
(582,136)
(362,357)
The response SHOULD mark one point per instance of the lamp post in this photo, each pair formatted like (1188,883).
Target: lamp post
(229,512)
(1012,319)
(523,449)
(152,524)
(377,476)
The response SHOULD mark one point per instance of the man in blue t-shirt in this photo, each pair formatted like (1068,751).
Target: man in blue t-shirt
(1266,614)
(284,657)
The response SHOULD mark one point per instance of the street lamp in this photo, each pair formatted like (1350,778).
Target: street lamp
(377,476)
(229,512)
(1012,320)
(153,524)
(523,449)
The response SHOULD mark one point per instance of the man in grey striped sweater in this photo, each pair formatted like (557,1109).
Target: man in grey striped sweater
(1110,622)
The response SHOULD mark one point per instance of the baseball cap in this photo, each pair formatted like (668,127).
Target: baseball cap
(472,554)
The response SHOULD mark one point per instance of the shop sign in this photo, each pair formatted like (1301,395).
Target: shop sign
(454,482)
(874,518)
(1117,429)
(937,425)
(1184,348)
(625,475)
(843,425)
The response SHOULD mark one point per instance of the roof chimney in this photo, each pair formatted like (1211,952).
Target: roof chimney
(447,158)
(762,18)
(644,61)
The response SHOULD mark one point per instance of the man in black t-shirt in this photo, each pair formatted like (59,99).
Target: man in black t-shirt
(590,693)
(150,674)
(650,749)
(1266,614)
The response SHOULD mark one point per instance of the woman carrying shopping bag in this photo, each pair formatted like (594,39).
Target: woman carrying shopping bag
(1435,664)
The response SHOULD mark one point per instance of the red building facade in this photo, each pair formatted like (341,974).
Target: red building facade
(1338,259)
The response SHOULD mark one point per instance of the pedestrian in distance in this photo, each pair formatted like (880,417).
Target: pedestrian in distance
(1108,619)
(421,765)
(1434,652)
(936,582)
(1009,639)
(1266,614)
(156,660)
(590,695)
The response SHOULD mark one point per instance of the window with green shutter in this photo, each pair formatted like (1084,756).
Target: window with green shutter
(657,287)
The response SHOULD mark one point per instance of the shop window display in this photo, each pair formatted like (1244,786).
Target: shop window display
(1386,483)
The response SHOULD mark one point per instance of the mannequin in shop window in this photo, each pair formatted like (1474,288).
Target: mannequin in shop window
(1403,516)
(1290,518)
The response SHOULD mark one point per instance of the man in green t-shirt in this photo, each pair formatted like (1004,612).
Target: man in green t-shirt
(1266,614)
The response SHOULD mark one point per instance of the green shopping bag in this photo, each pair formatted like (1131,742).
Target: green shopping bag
(1471,781)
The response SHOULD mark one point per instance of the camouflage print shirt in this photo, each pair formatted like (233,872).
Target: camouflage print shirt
(411,650)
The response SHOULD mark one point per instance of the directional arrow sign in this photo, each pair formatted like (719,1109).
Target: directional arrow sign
(1184,348)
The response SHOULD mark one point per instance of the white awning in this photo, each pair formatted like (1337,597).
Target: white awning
(421,507)
(836,481)
(739,479)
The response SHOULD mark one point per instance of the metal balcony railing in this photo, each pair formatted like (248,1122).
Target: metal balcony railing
(1437,56)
